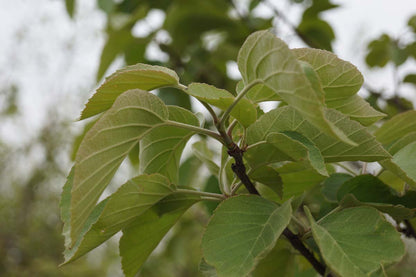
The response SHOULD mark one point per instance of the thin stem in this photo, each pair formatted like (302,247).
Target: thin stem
(236,100)
(231,127)
(196,129)
(201,193)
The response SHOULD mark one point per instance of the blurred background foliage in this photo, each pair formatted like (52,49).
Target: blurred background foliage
(198,39)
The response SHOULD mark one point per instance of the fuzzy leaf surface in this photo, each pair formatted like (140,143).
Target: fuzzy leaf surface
(267,60)
(333,150)
(357,241)
(161,148)
(106,145)
(121,208)
(138,76)
(242,230)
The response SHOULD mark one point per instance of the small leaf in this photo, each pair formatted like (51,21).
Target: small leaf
(267,60)
(142,236)
(141,76)
(299,148)
(357,241)
(205,155)
(70,7)
(106,145)
(243,229)
(331,185)
(318,33)
(410,78)
(245,111)
(121,208)
(161,148)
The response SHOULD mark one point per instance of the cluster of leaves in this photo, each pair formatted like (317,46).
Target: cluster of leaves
(273,169)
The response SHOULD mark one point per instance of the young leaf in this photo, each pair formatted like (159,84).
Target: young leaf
(142,236)
(106,145)
(161,148)
(121,208)
(265,59)
(357,241)
(140,76)
(242,230)
(205,155)
(245,111)
(333,150)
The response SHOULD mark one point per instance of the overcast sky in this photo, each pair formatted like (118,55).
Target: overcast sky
(54,59)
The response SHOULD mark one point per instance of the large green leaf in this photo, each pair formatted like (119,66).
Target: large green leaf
(357,241)
(161,148)
(205,155)
(266,59)
(299,148)
(242,230)
(397,127)
(339,78)
(140,76)
(142,236)
(245,111)
(106,145)
(333,150)
(130,201)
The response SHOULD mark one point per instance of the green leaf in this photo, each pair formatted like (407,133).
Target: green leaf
(266,59)
(142,236)
(161,148)
(130,201)
(270,177)
(242,231)
(258,93)
(383,50)
(405,159)
(412,23)
(65,207)
(205,155)
(331,185)
(410,78)
(370,190)
(397,127)
(357,241)
(141,76)
(245,111)
(317,32)
(287,119)
(70,7)
(339,78)
(401,142)
(299,148)
(357,109)
(297,179)
(106,145)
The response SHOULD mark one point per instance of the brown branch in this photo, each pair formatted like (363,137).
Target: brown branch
(240,170)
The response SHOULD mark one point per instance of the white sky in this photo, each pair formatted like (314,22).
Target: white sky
(54,59)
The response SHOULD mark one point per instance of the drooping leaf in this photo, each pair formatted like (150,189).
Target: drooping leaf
(70,7)
(265,59)
(140,76)
(332,184)
(245,111)
(205,155)
(130,201)
(339,78)
(356,242)
(397,127)
(161,148)
(106,145)
(243,229)
(142,236)
(333,150)
(299,148)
